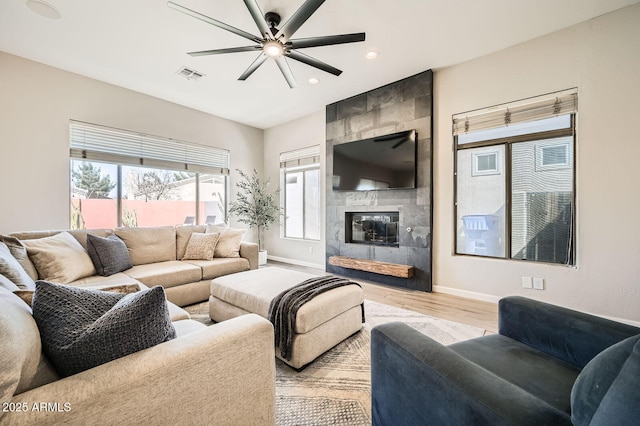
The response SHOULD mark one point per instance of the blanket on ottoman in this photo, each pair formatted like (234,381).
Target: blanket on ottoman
(284,307)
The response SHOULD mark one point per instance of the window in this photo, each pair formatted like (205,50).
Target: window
(515,179)
(300,175)
(121,178)
(485,163)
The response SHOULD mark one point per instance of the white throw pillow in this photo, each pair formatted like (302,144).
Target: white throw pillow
(60,258)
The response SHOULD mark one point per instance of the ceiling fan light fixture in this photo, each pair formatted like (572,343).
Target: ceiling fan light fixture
(314,80)
(273,48)
(372,54)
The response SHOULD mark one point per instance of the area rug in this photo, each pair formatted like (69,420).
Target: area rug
(336,388)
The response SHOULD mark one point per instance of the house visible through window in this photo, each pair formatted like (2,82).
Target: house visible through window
(300,175)
(120,178)
(515,179)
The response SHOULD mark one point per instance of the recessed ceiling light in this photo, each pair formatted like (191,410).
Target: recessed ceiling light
(43,9)
(372,54)
(313,80)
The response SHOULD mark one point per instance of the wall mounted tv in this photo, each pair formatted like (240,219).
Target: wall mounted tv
(382,162)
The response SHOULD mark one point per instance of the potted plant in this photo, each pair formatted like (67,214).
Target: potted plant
(256,206)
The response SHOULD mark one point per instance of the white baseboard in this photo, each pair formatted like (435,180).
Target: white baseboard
(494,299)
(467,294)
(295,262)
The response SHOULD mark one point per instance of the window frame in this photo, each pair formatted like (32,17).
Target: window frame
(508,142)
(298,169)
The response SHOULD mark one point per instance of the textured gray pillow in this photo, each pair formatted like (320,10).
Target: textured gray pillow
(109,255)
(82,328)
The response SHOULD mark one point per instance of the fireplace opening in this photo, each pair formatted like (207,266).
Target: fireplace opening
(377,228)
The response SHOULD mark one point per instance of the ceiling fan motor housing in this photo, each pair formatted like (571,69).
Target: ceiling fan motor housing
(273,19)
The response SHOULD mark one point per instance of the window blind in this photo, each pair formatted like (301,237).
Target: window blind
(300,157)
(546,106)
(100,143)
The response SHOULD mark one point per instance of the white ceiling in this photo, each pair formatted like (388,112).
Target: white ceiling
(141,44)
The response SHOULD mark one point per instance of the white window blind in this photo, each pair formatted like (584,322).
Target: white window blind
(300,157)
(100,143)
(541,107)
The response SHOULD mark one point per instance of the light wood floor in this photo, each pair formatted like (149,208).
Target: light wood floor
(441,305)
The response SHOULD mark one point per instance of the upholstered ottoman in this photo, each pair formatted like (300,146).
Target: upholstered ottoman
(321,323)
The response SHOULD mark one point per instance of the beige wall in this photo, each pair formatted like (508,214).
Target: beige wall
(600,58)
(304,132)
(36,104)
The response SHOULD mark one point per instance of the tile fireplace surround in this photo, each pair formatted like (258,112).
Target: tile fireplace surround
(405,239)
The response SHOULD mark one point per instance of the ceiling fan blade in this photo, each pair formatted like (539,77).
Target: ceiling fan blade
(228,50)
(254,66)
(258,17)
(298,18)
(214,22)
(302,43)
(306,59)
(286,71)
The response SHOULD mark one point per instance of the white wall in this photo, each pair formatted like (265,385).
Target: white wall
(36,104)
(601,59)
(300,133)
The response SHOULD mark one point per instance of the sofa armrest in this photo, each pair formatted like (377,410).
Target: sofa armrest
(572,336)
(416,381)
(250,252)
(224,374)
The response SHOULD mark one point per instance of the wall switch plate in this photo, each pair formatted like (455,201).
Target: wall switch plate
(527,282)
(538,283)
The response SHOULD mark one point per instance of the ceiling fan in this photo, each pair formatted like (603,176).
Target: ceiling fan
(276,42)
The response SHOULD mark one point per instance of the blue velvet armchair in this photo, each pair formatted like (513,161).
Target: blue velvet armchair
(547,365)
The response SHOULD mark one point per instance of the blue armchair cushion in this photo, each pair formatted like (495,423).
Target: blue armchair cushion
(606,391)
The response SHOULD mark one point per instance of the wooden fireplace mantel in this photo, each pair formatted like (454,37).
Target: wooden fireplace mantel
(384,268)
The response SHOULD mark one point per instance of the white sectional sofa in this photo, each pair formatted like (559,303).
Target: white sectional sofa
(223,374)
(156,254)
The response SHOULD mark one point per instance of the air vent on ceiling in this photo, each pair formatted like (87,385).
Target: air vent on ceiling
(189,74)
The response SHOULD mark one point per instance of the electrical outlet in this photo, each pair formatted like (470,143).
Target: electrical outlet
(538,283)
(527,282)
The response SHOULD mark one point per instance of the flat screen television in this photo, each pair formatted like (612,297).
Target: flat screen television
(379,163)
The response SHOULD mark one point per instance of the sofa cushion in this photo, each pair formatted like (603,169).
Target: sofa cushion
(201,246)
(167,274)
(606,391)
(219,266)
(229,242)
(12,270)
(82,328)
(518,363)
(19,251)
(79,234)
(149,245)
(24,367)
(183,233)
(60,258)
(108,254)
(27,295)
(98,281)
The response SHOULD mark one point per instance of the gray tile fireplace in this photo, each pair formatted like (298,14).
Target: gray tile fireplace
(383,225)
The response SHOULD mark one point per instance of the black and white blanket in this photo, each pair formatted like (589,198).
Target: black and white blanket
(284,307)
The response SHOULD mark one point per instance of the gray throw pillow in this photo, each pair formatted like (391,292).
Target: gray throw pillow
(82,328)
(109,255)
